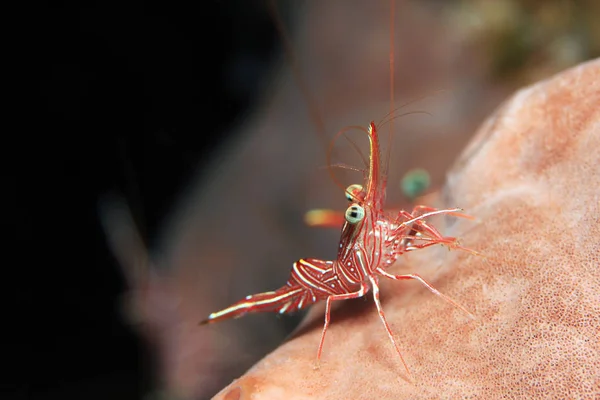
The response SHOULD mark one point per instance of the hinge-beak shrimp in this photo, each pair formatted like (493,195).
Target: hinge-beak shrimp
(371,241)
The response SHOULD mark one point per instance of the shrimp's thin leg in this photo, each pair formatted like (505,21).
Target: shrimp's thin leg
(428,286)
(419,221)
(330,299)
(375,286)
(428,242)
(450,242)
(421,225)
(426,209)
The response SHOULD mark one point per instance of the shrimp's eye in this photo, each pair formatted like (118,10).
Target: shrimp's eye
(355,214)
(354,192)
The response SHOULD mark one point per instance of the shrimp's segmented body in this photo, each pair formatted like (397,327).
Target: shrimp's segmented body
(370,242)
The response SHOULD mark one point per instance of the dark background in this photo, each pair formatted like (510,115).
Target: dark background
(129,97)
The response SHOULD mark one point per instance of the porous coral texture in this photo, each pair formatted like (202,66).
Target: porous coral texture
(532,178)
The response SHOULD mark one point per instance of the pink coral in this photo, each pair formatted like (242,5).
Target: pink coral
(532,177)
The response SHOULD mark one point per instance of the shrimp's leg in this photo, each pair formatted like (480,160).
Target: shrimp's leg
(450,242)
(420,210)
(419,226)
(330,299)
(420,218)
(427,242)
(375,286)
(427,285)
(426,209)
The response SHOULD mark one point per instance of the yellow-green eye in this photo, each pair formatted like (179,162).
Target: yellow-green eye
(355,214)
(354,192)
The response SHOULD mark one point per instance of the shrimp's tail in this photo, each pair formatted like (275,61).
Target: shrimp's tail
(282,300)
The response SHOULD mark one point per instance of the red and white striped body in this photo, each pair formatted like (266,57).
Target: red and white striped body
(370,242)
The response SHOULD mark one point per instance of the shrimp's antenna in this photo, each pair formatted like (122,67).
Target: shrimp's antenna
(330,151)
(360,153)
(391,136)
(387,117)
(389,120)
(346,166)
(314,112)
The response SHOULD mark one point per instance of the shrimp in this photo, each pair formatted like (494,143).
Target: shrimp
(371,240)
